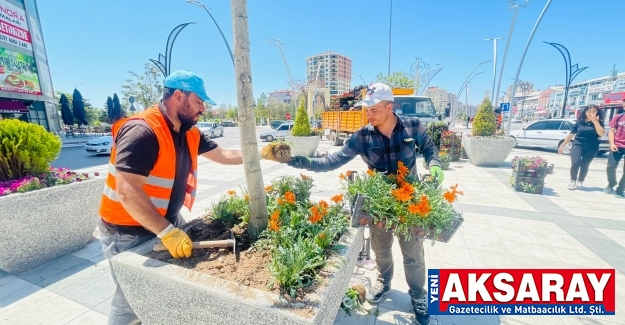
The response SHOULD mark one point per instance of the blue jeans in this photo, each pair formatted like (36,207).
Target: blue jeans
(114,243)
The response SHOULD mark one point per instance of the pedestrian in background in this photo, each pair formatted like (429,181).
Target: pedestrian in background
(587,131)
(616,136)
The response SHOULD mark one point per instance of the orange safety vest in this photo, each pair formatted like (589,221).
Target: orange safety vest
(160,181)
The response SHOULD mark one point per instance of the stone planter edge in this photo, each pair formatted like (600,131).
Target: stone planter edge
(41,225)
(197,298)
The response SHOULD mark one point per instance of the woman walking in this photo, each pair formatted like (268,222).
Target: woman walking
(587,131)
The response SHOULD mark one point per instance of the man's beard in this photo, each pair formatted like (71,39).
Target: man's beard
(186,122)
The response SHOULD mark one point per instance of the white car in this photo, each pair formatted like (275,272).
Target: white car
(549,134)
(211,128)
(279,133)
(101,145)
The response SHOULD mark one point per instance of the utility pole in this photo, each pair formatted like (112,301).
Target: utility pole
(492,96)
(247,120)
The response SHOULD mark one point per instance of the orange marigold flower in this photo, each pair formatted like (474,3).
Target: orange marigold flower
(450,196)
(289,197)
(315,217)
(401,195)
(268,188)
(370,172)
(280,201)
(247,197)
(232,192)
(413,208)
(454,188)
(406,187)
(348,173)
(323,204)
(424,206)
(274,222)
(314,209)
(304,177)
(341,176)
(402,170)
(337,198)
(402,219)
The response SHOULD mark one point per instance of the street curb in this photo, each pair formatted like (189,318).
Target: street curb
(73,145)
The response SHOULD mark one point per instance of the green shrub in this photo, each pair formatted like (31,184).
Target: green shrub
(25,149)
(485,122)
(301,128)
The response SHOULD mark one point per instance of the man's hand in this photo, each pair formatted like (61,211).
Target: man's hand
(267,153)
(301,162)
(437,173)
(613,147)
(178,243)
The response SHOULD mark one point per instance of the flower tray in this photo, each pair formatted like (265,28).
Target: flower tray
(361,218)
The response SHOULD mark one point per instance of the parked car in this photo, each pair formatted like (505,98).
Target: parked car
(211,129)
(550,134)
(101,145)
(275,124)
(279,133)
(228,124)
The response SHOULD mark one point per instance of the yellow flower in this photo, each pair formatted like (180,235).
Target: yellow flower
(232,192)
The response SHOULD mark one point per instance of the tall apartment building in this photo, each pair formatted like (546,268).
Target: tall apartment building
(439,97)
(284,95)
(335,72)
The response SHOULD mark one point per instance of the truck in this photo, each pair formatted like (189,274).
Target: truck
(342,120)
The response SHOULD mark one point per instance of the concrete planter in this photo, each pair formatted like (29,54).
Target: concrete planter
(196,298)
(487,152)
(304,146)
(41,225)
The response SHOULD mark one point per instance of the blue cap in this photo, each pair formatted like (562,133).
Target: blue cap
(188,81)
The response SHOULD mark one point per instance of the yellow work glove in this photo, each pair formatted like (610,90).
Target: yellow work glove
(267,153)
(178,243)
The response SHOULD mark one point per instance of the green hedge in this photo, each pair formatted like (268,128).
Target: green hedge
(485,122)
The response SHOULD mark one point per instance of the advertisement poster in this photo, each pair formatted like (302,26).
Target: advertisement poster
(13,26)
(18,73)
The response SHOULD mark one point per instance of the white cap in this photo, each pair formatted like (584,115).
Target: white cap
(376,93)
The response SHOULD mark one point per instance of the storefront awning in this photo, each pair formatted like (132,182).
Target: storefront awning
(13,106)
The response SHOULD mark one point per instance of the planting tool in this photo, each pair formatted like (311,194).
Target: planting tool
(232,242)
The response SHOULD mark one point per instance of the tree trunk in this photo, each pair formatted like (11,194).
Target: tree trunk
(247,121)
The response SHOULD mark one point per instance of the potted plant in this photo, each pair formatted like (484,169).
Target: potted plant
(304,141)
(296,273)
(486,146)
(451,143)
(403,204)
(46,212)
(528,174)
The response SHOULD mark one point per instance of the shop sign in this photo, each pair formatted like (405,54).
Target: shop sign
(18,73)
(13,26)
(613,97)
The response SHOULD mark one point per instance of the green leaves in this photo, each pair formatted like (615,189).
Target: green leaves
(485,122)
(397,79)
(301,128)
(25,149)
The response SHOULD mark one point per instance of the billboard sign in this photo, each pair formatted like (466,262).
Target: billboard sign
(18,73)
(13,26)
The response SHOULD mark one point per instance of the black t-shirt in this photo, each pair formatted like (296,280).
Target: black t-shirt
(137,151)
(585,132)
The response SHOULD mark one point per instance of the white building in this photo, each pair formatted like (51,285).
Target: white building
(335,72)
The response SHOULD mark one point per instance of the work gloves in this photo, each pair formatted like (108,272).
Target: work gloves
(437,173)
(178,243)
(301,162)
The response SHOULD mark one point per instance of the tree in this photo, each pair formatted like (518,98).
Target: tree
(397,79)
(109,107)
(93,115)
(276,109)
(485,122)
(146,88)
(247,121)
(261,109)
(301,127)
(231,112)
(117,112)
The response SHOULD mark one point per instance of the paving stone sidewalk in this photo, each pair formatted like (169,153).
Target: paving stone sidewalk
(503,229)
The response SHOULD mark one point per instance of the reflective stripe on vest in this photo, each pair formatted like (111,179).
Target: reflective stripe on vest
(158,203)
(151,180)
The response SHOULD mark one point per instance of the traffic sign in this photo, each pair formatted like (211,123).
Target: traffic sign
(288,116)
(505,107)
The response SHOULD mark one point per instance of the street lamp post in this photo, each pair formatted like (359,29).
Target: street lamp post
(278,43)
(80,83)
(524,88)
(164,61)
(572,71)
(390,25)
(454,110)
(516,7)
(466,107)
(361,78)
(516,77)
(492,96)
(200,4)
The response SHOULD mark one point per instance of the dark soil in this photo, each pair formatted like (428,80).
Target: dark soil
(282,151)
(251,269)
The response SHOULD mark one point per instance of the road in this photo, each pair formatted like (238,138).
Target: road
(77,158)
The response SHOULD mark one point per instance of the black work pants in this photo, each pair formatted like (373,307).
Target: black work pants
(613,160)
(582,154)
